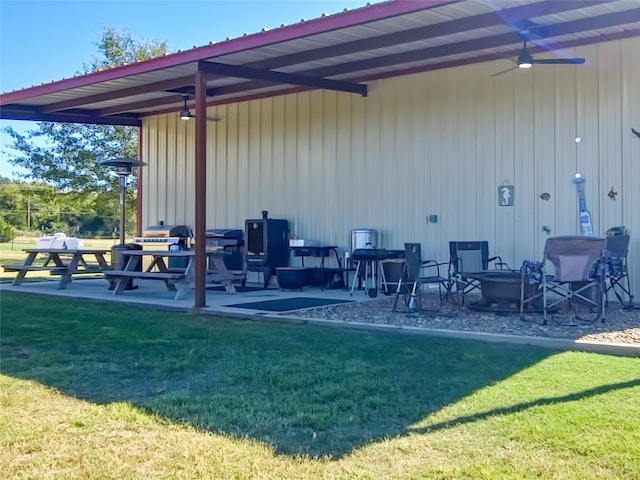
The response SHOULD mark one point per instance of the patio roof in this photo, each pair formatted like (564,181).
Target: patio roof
(340,52)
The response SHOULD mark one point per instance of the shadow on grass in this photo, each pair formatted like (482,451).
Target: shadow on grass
(301,388)
(526,405)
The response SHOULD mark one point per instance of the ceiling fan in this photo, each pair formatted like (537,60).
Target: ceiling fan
(185,113)
(526,60)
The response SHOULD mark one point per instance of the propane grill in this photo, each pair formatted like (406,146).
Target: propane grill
(164,237)
(161,234)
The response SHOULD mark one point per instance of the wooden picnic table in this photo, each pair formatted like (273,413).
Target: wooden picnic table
(177,280)
(60,261)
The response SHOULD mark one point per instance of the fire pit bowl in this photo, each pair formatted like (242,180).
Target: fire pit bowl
(501,291)
(290,278)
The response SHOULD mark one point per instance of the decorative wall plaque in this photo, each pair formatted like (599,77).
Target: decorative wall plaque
(505,195)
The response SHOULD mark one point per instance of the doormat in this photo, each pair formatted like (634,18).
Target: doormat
(286,304)
(239,288)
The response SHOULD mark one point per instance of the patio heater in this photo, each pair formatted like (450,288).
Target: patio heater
(123,167)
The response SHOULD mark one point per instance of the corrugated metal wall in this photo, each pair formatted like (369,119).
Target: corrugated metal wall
(434,143)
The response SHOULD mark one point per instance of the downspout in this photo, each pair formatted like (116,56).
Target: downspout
(139,184)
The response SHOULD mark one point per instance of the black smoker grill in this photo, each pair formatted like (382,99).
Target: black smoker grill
(231,240)
(266,242)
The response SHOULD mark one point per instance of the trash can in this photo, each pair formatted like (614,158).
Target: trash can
(117,262)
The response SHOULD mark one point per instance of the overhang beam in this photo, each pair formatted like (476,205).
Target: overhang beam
(156,102)
(280,77)
(16,112)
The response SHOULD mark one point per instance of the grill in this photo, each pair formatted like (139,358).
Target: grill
(231,240)
(266,245)
(163,237)
(370,257)
(161,234)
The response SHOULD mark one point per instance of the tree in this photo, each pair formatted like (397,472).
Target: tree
(67,156)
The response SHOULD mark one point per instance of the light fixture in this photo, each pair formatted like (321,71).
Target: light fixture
(185,114)
(525,60)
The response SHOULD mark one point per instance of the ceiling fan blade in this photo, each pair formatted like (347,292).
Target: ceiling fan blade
(504,71)
(558,61)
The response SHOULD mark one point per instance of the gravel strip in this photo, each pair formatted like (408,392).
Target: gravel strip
(621,325)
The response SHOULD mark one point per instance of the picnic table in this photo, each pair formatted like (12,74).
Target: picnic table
(60,261)
(177,280)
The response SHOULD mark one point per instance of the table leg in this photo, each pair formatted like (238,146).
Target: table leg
(65,278)
(27,262)
(229,287)
(355,276)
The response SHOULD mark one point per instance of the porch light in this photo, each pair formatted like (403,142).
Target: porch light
(525,60)
(185,114)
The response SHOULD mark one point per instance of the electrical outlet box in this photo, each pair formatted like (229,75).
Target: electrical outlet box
(433,218)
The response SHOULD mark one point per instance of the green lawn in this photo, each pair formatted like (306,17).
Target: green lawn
(96,391)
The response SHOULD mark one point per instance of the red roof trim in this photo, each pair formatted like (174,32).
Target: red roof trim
(320,25)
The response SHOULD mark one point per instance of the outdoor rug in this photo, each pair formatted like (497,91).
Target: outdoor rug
(286,304)
(239,288)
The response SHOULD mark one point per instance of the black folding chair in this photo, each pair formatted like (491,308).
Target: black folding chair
(467,258)
(617,270)
(416,274)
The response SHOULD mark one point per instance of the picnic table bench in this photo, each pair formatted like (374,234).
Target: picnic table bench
(59,261)
(176,280)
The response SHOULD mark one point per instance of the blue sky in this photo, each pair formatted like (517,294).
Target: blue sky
(47,40)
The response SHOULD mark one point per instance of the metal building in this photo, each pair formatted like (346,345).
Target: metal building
(407,117)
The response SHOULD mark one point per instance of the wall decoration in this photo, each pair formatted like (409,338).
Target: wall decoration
(545,196)
(612,194)
(505,195)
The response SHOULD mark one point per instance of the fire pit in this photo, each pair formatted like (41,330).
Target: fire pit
(501,292)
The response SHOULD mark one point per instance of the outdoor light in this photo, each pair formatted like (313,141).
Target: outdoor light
(185,114)
(123,168)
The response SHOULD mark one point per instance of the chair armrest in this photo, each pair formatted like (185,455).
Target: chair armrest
(426,264)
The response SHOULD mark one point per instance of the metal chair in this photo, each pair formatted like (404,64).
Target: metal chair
(466,258)
(577,278)
(417,273)
(617,271)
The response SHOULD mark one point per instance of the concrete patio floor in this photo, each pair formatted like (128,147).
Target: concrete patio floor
(154,294)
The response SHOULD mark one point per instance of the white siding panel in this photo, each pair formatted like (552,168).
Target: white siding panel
(437,143)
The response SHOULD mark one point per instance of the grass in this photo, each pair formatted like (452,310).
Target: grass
(100,391)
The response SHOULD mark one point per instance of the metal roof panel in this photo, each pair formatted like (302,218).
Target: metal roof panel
(384,39)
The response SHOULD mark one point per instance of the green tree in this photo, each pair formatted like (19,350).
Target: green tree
(7,232)
(12,203)
(67,156)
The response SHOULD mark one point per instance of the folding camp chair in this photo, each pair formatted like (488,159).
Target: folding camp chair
(467,258)
(616,269)
(577,278)
(417,273)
